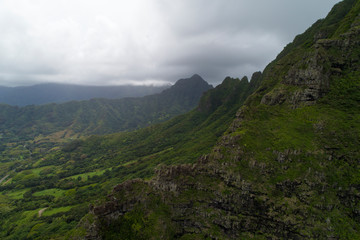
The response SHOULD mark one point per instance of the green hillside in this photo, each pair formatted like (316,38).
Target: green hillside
(47,193)
(286,168)
(56,122)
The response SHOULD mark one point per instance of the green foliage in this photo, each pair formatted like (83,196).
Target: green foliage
(63,176)
(50,192)
(139,225)
(334,24)
(54,122)
(52,211)
(289,170)
(344,94)
(301,159)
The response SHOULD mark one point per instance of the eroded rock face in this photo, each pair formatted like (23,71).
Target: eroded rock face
(313,74)
(242,209)
(310,76)
(314,79)
(212,199)
(206,198)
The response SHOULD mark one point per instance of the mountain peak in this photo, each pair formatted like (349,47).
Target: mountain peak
(190,84)
(196,77)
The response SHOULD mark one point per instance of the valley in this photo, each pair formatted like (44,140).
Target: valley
(286,167)
(275,156)
(60,179)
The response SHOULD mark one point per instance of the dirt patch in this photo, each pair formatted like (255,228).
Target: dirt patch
(41,211)
(7,181)
(1,180)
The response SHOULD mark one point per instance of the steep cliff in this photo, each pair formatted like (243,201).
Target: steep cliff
(287,168)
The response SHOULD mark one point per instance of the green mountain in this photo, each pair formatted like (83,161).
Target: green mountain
(45,193)
(55,122)
(286,168)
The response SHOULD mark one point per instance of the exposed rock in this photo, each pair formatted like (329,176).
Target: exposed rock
(313,74)
(310,76)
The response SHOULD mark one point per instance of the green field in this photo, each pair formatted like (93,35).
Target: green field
(53,192)
(52,211)
(17,194)
(85,176)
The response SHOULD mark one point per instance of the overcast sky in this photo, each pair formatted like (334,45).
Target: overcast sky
(107,42)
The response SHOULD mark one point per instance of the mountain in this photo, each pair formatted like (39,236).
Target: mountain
(59,93)
(46,190)
(276,158)
(286,168)
(99,116)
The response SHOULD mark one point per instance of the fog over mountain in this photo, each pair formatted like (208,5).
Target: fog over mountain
(145,42)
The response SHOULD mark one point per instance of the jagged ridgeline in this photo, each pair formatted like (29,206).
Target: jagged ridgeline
(287,167)
(46,193)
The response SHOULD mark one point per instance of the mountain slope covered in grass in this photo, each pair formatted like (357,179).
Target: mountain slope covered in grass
(286,168)
(47,191)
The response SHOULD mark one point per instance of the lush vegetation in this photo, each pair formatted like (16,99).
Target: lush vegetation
(50,185)
(287,168)
(55,122)
(336,23)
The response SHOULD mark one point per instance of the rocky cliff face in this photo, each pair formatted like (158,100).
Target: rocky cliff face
(308,73)
(287,168)
(311,75)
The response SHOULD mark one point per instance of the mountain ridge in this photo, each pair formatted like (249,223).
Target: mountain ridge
(100,116)
(287,167)
(65,178)
(273,158)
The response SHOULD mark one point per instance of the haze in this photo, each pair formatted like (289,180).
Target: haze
(145,42)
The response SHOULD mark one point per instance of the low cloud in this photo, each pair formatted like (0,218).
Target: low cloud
(145,42)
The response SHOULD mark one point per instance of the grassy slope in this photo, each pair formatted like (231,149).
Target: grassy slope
(84,170)
(295,167)
(315,148)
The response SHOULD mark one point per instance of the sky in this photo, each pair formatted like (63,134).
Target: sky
(144,42)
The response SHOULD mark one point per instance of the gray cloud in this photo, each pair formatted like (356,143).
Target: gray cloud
(145,41)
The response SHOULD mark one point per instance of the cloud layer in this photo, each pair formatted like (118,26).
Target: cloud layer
(145,41)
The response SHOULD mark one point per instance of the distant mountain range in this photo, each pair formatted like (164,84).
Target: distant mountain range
(59,93)
(100,116)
